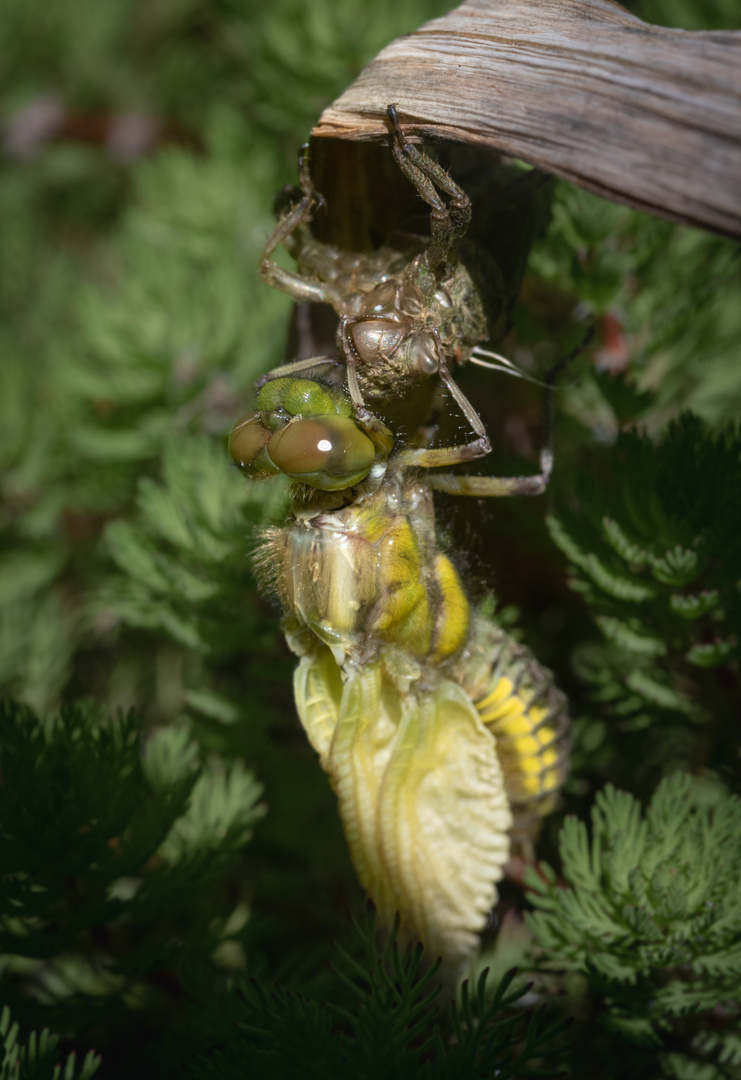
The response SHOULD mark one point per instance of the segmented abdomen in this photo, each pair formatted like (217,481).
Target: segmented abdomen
(519,704)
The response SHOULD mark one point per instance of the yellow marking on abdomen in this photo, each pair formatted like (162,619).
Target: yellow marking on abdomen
(525,743)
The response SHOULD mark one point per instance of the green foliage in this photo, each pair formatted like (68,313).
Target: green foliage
(37,1059)
(711,15)
(101,846)
(651,912)
(179,559)
(389,1025)
(653,551)
(671,294)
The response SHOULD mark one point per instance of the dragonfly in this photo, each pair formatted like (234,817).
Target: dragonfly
(445,741)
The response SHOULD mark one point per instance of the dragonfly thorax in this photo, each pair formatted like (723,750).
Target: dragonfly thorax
(369,576)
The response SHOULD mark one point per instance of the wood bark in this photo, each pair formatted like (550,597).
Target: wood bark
(640,114)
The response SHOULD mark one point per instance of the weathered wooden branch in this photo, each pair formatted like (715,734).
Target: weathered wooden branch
(637,113)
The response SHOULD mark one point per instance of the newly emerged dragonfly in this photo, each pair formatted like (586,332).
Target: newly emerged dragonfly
(443,738)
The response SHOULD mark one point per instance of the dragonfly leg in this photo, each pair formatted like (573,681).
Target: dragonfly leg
(425,458)
(484,487)
(372,425)
(447,223)
(297,286)
(296,367)
(351,365)
(494,486)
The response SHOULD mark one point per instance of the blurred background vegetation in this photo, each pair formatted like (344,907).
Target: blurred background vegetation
(169,832)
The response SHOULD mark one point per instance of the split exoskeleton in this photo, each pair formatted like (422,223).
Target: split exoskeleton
(402,320)
(443,738)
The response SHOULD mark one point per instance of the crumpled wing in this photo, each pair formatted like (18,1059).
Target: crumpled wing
(421,797)
(317,688)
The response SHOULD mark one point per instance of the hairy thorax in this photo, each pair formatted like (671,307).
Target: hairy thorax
(371,575)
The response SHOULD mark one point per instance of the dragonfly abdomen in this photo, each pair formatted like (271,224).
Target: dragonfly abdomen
(520,705)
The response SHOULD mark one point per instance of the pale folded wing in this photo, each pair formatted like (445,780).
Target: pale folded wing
(421,796)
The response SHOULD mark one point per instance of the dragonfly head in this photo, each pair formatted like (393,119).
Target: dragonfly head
(305,431)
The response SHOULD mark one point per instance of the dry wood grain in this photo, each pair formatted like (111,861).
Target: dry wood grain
(637,113)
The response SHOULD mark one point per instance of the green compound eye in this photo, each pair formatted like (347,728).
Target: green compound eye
(330,453)
(247,443)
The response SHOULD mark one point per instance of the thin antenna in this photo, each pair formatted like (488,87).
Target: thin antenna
(503,365)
